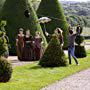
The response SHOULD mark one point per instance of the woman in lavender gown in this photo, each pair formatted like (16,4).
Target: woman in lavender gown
(38,46)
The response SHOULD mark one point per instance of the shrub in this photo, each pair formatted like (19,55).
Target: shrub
(3,44)
(16,19)
(79,39)
(54,55)
(80,51)
(5,70)
(54,10)
(5,66)
(3,39)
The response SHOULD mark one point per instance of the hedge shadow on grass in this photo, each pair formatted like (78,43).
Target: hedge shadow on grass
(39,67)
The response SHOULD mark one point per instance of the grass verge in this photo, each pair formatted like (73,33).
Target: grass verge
(34,77)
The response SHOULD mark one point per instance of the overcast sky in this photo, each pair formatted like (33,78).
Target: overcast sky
(76,0)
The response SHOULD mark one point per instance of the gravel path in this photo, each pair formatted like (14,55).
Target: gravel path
(79,81)
(15,62)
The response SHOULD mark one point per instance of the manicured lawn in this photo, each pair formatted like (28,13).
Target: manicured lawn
(33,77)
(88,40)
(86,31)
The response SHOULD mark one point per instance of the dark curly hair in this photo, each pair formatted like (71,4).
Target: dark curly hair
(71,31)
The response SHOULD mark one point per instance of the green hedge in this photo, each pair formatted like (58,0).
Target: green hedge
(13,13)
(80,51)
(54,10)
(54,55)
(79,39)
(3,44)
(5,70)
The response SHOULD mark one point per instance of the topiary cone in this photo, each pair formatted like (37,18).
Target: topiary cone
(54,55)
(54,10)
(13,11)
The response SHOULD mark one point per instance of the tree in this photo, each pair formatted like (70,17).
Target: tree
(14,13)
(54,55)
(53,10)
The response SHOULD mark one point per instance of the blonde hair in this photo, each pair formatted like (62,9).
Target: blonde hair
(60,33)
(59,30)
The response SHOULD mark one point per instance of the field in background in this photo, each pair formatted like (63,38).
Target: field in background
(86,31)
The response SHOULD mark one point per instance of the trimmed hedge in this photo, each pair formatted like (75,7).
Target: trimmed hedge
(5,70)
(54,10)
(13,12)
(3,44)
(80,51)
(54,55)
(79,39)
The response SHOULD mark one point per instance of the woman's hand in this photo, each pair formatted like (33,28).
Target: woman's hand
(42,42)
(33,42)
(28,41)
(62,45)
(46,33)
(16,45)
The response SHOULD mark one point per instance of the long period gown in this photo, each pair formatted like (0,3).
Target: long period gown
(38,48)
(20,45)
(28,52)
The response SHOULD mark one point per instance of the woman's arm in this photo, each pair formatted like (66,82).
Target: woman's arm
(16,42)
(48,35)
(62,41)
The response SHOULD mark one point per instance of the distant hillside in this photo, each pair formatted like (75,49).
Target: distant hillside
(75,12)
(82,9)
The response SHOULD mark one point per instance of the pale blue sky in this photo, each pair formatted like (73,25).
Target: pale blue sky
(76,0)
